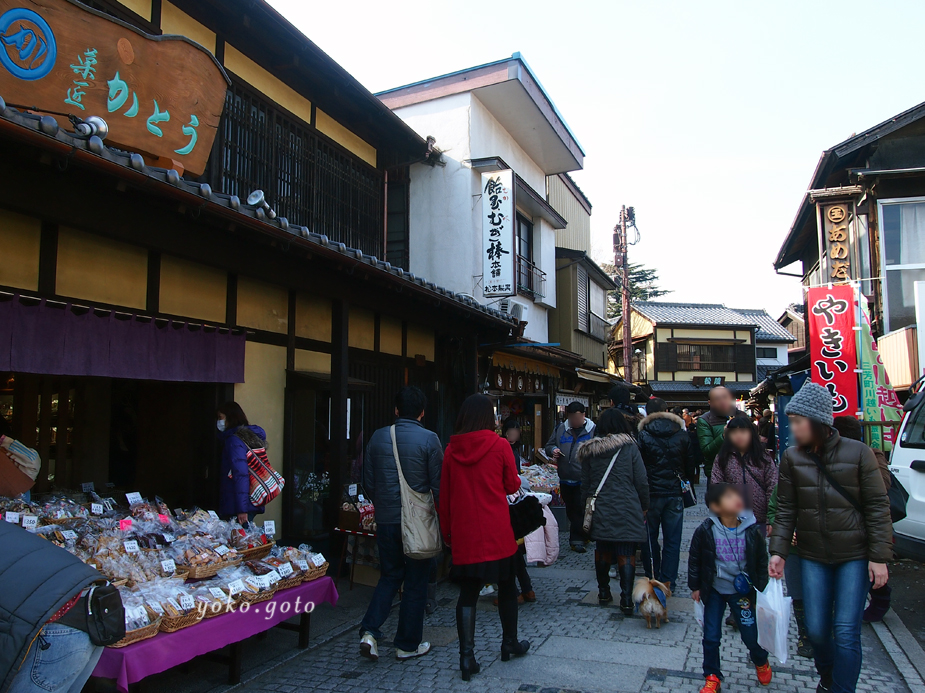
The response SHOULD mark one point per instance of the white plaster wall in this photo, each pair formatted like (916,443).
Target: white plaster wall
(489,138)
(544,255)
(537,320)
(781,359)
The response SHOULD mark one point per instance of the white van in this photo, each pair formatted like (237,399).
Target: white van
(907,462)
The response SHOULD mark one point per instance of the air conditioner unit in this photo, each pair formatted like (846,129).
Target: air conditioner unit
(504,305)
(519,311)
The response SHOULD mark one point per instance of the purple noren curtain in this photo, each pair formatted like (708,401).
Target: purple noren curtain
(55,339)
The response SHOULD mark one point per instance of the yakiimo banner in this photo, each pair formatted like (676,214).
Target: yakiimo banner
(832,345)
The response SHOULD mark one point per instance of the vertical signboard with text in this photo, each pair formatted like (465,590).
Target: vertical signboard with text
(499,253)
(836,242)
(833,347)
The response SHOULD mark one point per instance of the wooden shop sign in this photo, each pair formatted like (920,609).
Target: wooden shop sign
(160,95)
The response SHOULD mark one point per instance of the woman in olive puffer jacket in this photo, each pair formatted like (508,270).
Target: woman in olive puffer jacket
(831,494)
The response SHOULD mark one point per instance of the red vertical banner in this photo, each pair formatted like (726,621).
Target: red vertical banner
(833,345)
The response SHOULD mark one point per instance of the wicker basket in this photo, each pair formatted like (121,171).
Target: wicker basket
(293,580)
(257,552)
(251,598)
(139,634)
(198,572)
(228,606)
(314,573)
(171,624)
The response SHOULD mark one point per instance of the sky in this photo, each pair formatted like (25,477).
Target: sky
(707,117)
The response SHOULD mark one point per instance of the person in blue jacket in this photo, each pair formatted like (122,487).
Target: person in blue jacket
(237,435)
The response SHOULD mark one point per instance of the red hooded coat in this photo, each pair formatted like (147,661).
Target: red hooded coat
(478,473)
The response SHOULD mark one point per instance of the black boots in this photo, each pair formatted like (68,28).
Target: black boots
(510,645)
(804,646)
(465,627)
(602,570)
(627,578)
(879,604)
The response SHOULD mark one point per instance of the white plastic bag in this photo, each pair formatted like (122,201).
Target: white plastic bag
(773,619)
(698,612)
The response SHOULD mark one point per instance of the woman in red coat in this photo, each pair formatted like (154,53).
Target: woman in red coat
(478,474)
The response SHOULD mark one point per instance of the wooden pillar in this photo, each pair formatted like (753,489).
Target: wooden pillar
(340,319)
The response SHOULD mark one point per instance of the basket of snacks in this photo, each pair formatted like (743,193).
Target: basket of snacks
(141,623)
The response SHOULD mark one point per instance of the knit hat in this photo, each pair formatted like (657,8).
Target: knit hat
(814,402)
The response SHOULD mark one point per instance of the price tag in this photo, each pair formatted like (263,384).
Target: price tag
(318,560)
(131,546)
(30,522)
(125,524)
(87,487)
(169,538)
(133,498)
(360,498)
(285,570)
(213,514)
(69,534)
(272,577)
(352,490)
(138,613)
(221,550)
(217,593)
(303,564)
(257,582)
(186,602)
(164,520)
(96,508)
(12,517)
(156,607)
(169,566)
(235,587)
(109,503)
(173,602)
(269,527)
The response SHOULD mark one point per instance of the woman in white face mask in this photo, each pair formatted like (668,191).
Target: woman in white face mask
(237,435)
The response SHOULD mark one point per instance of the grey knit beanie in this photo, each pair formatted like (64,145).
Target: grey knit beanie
(814,402)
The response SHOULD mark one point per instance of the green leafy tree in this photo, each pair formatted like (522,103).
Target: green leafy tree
(643,286)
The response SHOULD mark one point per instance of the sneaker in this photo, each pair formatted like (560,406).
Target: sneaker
(579,548)
(529,597)
(764,674)
(422,650)
(712,685)
(613,572)
(487,590)
(805,648)
(825,683)
(369,648)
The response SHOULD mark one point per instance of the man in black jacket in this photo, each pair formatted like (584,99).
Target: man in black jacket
(421,458)
(665,447)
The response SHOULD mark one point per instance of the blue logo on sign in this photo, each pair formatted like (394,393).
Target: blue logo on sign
(27,44)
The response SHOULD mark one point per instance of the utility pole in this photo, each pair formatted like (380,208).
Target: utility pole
(621,244)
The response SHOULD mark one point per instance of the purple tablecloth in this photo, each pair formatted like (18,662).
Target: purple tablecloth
(166,650)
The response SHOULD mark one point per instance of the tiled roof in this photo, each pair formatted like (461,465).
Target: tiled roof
(764,370)
(202,192)
(691,313)
(769,330)
(681,386)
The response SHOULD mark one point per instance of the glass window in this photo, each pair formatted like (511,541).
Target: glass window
(705,357)
(766,352)
(524,238)
(903,249)
(598,302)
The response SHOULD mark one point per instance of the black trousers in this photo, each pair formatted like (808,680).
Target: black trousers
(520,566)
(571,496)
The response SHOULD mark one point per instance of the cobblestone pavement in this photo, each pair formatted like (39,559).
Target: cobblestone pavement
(577,646)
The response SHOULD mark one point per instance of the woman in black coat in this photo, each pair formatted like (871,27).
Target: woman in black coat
(618,523)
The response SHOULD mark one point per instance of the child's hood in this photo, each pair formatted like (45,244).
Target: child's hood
(746,520)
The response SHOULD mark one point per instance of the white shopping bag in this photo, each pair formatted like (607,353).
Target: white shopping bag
(773,619)
(698,612)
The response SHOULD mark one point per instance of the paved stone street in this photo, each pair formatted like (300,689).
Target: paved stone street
(576,646)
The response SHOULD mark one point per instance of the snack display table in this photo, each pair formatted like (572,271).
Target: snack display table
(128,665)
(343,554)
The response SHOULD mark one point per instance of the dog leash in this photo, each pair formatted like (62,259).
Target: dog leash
(651,555)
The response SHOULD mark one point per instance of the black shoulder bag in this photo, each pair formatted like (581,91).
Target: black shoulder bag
(99,614)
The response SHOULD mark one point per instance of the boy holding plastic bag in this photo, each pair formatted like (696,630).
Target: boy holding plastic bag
(728,562)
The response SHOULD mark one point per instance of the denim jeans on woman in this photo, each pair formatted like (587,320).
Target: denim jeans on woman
(667,513)
(396,568)
(834,597)
(60,661)
(743,611)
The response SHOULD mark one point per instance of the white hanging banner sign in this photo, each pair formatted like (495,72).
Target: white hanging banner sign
(499,252)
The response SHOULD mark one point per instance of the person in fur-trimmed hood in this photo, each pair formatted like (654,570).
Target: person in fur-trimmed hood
(666,450)
(618,521)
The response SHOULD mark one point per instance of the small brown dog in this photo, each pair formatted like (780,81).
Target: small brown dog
(651,599)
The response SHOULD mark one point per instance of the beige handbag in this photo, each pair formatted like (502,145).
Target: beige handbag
(420,527)
(592,500)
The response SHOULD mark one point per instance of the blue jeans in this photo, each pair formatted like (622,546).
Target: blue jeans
(667,513)
(60,661)
(793,576)
(833,598)
(743,611)
(396,568)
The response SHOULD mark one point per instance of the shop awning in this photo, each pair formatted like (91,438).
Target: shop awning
(62,339)
(520,363)
(594,376)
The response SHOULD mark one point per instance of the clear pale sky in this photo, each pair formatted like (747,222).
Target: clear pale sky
(707,117)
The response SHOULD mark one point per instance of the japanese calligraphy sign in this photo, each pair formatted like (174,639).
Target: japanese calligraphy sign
(832,345)
(160,95)
(878,398)
(836,241)
(498,250)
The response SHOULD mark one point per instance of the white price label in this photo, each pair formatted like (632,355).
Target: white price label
(87,487)
(217,593)
(169,538)
(133,498)
(156,607)
(131,546)
(137,613)
(186,602)
(235,587)
(222,550)
(284,570)
(360,498)
(318,560)
(352,490)
(173,602)
(109,503)
(69,534)
(272,577)
(213,514)
(257,582)
(269,527)
(303,565)
(96,508)
(169,566)
(30,522)
(12,517)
